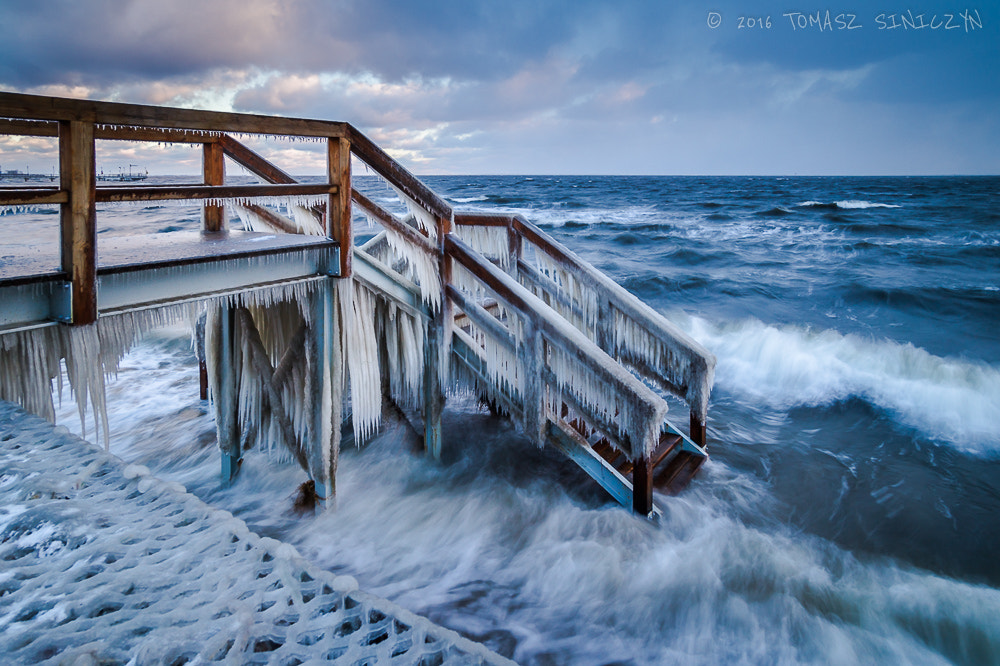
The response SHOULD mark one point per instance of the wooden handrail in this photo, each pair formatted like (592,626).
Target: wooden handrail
(36,107)
(642,431)
(182,192)
(380,162)
(698,364)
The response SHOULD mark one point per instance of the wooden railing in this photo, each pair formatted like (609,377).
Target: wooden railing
(549,334)
(618,322)
(77,124)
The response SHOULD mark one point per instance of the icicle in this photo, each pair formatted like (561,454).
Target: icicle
(489,241)
(361,348)
(423,267)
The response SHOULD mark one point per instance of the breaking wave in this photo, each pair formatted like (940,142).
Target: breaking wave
(849,204)
(786,366)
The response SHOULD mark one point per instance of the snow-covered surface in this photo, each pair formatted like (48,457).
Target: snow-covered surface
(102,563)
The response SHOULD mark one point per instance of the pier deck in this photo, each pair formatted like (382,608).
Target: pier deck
(104,563)
(436,300)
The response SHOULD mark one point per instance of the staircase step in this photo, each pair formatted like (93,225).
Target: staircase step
(679,471)
(668,442)
(603,448)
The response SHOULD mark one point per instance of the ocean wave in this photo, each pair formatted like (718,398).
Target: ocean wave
(949,399)
(468,199)
(847,204)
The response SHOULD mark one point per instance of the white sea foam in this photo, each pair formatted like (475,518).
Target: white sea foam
(952,399)
(850,204)
(490,545)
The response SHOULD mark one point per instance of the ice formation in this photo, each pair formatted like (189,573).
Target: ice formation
(626,328)
(103,563)
(546,361)
(489,241)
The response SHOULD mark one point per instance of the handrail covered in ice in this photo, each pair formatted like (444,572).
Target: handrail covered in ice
(555,363)
(620,323)
(549,333)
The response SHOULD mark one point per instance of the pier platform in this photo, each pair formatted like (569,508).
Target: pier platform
(103,563)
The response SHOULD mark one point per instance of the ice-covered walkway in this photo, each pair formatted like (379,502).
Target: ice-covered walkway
(102,563)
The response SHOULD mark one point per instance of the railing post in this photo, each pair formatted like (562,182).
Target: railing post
(78,218)
(213,168)
(642,486)
(515,245)
(338,223)
(437,351)
(698,429)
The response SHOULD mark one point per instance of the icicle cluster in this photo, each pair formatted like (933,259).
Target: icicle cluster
(491,242)
(421,218)
(26,209)
(422,268)
(379,340)
(657,349)
(582,296)
(361,349)
(404,345)
(32,361)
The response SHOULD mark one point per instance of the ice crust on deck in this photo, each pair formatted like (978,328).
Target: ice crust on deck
(103,563)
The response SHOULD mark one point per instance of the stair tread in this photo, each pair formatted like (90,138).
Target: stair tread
(668,442)
(679,472)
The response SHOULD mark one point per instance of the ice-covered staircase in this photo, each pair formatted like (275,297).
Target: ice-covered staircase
(569,355)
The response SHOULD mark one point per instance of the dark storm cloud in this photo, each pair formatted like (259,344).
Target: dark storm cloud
(654,87)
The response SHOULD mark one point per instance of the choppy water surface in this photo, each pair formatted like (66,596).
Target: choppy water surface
(848,514)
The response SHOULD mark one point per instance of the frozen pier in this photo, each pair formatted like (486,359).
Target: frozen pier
(103,563)
(301,321)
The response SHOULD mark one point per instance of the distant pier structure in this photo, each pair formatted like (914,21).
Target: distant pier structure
(304,328)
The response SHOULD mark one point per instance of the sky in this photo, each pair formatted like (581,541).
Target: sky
(901,87)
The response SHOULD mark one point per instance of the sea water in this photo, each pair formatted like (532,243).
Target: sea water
(849,510)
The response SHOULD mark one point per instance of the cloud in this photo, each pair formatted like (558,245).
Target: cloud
(479,85)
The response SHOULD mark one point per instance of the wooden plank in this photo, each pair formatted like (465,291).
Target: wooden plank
(37,107)
(182,192)
(569,442)
(380,162)
(47,128)
(482,319)
(679,471)
(338,220)
(78,218)
(214,173)
(278,222)
(382,278)
(387,219)
(483,219)
(159,135)
(30,197)
(668,442)
(14,127)
(252,161)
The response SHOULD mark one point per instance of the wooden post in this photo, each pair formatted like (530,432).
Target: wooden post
(515,246)
(214,171)
(227,409)
(642,486)
(698,430)
(437,349)
(78,218)
(338,222)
